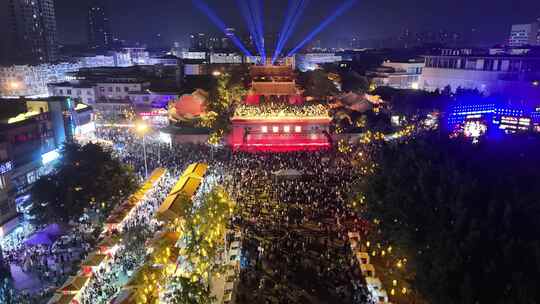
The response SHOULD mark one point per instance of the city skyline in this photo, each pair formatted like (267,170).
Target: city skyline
(137,21)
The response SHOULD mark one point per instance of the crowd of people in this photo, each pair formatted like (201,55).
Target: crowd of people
(136,230)
(280,109)
(294,228)
(50,263)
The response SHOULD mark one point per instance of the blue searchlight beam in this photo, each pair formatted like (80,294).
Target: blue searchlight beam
(259,25)
(340,10)
(292,26)
(250,21)
(284,28)
(203,7)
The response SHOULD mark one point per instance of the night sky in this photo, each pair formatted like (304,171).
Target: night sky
(141,20)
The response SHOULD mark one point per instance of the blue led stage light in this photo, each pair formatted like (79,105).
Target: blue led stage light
(293,22)
(340,10)
(203,7)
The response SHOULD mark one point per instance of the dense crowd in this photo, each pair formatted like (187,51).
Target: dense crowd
(136,230)
(294,228)
(280,109)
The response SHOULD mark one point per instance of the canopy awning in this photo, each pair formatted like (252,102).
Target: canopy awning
(60,298)
(374,283)
(94,260)
(362,257)
(367,270)
(199,169)
(187,184)
(75,284)
(173,208)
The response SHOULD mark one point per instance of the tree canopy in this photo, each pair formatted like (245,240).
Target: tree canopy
(86,178)
(464,216)
(317,84)
(354,82)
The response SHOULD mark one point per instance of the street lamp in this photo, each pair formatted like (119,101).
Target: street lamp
(142,128)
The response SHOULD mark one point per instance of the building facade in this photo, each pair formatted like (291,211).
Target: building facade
(516,77)
(398,75)
(311,61)
(99,29)
(32,80)
(525,34)
(31,132)
(29,27)
(80,91)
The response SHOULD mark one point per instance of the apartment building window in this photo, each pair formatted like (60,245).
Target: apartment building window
(78,92)
(126,89)
(61,92)
(118,89)
(69,92)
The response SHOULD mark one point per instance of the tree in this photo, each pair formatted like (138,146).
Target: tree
(87,178)
(317,84)
(186,291)
(463,215)
(354,82)
(228,92)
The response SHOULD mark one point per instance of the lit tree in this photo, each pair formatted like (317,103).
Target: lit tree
(203,231)
(185,291)
(221,104)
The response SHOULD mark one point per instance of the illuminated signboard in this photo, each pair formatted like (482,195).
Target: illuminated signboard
(49,157)
(6,167)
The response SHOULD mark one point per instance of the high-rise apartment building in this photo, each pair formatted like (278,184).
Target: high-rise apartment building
(525,34)
(28,31)
(198,42)
(99,29)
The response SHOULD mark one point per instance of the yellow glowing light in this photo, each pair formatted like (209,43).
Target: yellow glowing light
(404,290)
(394,282)
(141,127)
(392,292)
(14,85)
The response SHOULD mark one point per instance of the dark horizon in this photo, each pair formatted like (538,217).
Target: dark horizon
(140,21)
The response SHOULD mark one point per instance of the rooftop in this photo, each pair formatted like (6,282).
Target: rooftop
(80,85)
(277,110)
